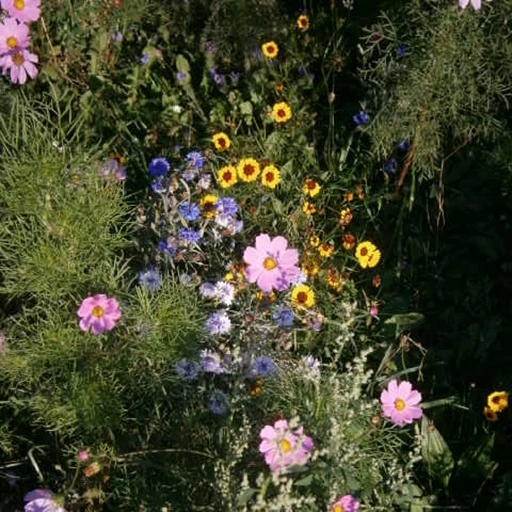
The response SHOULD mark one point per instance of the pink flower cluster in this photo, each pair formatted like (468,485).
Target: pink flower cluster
(14,39)
(283,447)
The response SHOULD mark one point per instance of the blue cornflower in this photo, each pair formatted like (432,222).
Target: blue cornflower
(401,50)
(145,58)
(117,36)
(158,167)
(283,316)
(390,166)
(187,370)
(189,211)
(207,290)
(157,185)
(218,402)
(404,145)
(226,206)
(195,159)
(361,118)
(189,235)
(218,323)
(165,246)
(181,76)
(150,279)
(263,366)
(217,77)
(162,245)
(210,362)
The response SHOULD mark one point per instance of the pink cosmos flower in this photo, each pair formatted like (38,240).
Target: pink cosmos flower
(13,35)
(400,403)
(477,4)
(98,314)
(83,455)
(23,10)
(270,263)
(21,64)
(346,503)
(283,448)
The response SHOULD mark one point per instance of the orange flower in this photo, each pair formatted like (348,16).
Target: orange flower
(308,208)
(314,241)
(311,188)
(348,196)
(349,241)
(325,250)
(334,279)
(376,281)
(360,191)
(346,217)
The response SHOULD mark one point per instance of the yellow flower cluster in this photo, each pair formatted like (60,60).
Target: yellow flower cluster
(248,170)
(496,403)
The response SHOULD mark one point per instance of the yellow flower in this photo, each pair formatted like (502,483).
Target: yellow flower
(346,217)
(270,176)
(226,176)
(310,268)
(303,295)
(348,196)
(311,188)
(270,49)
(334,279)
(248,169)
(497,401)
(308,208)
(303,22)
(207,205)
(349,241)
(367,254)
(490,414)
(221,141)
(325,250)
(360,191)
(314,241)
(281,112)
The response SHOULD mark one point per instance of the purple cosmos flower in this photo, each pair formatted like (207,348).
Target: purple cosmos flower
(13,35)
(270,263)
(41,500)
(24,11)
(218,403)
(346,503)
(150,279)
(21,65)
(401,403)
(158,167)
(361,118)
(189,211)
(98,313)
(283,316)
(187,370)
(218,323)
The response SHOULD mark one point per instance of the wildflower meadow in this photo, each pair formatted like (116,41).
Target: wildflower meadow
(255,255)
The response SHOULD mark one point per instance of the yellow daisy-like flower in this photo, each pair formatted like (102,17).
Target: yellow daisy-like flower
(346,217)
(360,191)
(281,112)
(311,188)
(308,208)
(310,268)
(221,141)
(207,206)
(325,250)
(226,176)
(303,295)
(497,401)
(314,241)
(490,414)
(303,22)
(248,169)
(270,176)
(334,279)
(367,254)
(348,196)
(270,49)
(349,241)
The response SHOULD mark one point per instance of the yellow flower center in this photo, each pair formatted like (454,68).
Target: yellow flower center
(285,446)
(269,263)
(97,311)
(399,404)
(19,4)
(12,42)
(18,59)
(337,508)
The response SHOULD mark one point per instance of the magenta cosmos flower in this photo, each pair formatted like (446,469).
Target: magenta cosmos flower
(270,263)
(13,35)
(346,503)
(400,403)
(98,314)
(42,500)
(21,64)
(23,10)
(283,448)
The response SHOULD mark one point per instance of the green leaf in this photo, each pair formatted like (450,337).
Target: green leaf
(304,482)
(405,321)
(245,496)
